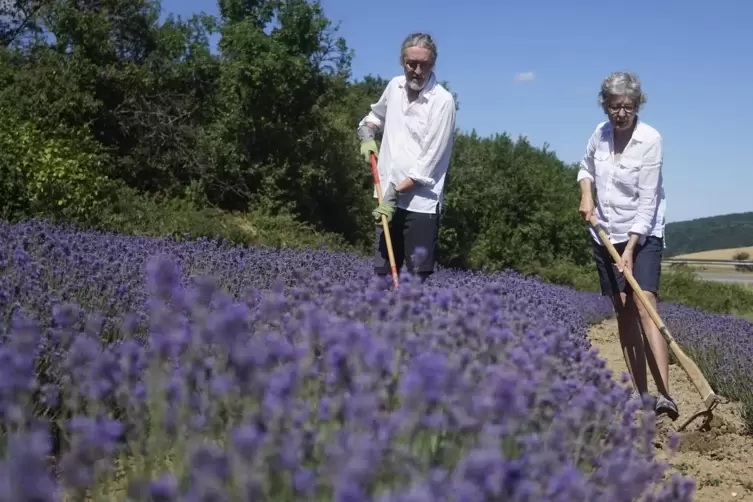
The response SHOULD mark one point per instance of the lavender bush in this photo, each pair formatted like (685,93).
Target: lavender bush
(722,346)
(198,371)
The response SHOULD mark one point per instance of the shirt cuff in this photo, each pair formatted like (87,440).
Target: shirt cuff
(372,119)
(640,229)
(421,180)
(583,175)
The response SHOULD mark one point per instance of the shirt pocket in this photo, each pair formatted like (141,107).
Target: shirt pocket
(602,162)
(627,173)
(417,127)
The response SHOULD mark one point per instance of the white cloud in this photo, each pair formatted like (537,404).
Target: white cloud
(525,77)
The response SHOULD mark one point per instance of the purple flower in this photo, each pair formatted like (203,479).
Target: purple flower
(26,475)
(226,373)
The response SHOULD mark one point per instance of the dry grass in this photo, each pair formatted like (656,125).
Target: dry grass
(719,269)
(715,254)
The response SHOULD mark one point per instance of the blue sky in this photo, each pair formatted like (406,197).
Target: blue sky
(694,59)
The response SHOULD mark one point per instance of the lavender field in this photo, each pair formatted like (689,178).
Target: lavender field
(155,370)
(722,346)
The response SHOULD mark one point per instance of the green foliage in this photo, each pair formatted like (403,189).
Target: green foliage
(706,234)
(55,174)
(273,143)
(511,205)
(579,277)
(254,128)
(153,215)
(742,256)
(680,284)
(267,127)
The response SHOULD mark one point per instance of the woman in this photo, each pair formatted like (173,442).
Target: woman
(623,168)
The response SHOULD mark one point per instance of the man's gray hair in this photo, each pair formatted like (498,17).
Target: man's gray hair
(422,40)
(621,83)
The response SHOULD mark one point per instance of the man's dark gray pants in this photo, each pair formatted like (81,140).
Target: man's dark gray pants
(409,232)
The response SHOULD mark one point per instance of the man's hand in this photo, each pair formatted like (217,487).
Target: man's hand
(405,185)
(383,209)
(387,207)
(366,134)
(367,148)
(586,208)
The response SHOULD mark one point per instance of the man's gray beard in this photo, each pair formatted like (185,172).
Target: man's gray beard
(416,86)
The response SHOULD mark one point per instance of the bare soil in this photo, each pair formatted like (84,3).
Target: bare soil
(720,458)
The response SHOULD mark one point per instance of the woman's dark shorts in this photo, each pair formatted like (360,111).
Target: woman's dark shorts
(646,267)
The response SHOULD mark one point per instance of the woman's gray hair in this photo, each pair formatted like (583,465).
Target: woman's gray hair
(621,83)
(422,40)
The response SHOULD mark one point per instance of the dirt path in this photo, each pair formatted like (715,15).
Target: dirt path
(720,460)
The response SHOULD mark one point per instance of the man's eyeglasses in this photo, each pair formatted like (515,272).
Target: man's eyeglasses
(413,65)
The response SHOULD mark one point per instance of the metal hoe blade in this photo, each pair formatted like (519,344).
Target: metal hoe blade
(707,412)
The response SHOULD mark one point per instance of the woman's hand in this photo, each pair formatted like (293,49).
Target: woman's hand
(626,260)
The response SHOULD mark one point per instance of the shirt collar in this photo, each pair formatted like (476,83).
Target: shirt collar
(428,89)
(638,132)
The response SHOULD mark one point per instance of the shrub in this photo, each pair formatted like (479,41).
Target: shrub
(681,285)
(59,175)
(742,256)
(134,213)
(581,278)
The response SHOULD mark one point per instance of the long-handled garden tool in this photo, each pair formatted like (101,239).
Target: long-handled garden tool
(710,399)
(385,224)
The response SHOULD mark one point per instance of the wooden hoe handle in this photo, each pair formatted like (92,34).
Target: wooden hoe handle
(385,224)
(687,364)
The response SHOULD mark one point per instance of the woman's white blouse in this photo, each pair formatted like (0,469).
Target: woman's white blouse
(628,192)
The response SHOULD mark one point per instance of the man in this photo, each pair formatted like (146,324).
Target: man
(417,118)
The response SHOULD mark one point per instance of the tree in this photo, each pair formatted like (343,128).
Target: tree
(267,125)
(742,256)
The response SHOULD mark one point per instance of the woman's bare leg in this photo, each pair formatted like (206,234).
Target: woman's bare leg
(631,340)
(656,352)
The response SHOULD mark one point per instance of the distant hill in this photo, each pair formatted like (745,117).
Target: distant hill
(706,234)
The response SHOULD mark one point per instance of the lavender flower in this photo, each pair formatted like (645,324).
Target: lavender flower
(193,370)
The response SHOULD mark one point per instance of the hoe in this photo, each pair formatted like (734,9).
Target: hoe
(710,399)
(385,225)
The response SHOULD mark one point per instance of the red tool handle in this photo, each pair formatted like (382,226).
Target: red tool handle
(385,225)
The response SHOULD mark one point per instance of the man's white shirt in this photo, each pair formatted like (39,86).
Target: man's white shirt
(416,143)
(629,192)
